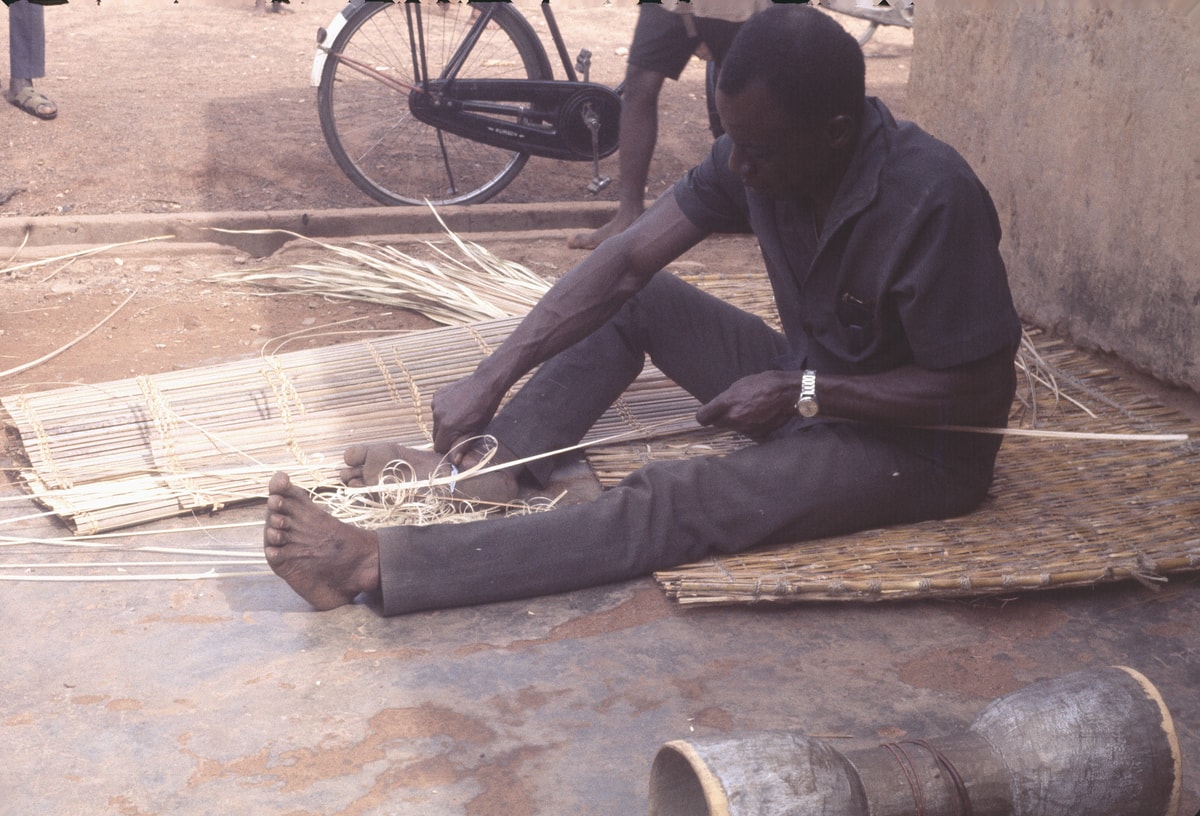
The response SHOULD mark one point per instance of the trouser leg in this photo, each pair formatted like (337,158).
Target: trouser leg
(819,481)
(700,342)
(26,40)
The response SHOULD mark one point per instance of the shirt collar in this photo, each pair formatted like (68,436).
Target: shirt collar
(860,184)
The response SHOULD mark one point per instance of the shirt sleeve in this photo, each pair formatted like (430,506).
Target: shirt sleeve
(711,195)
(954,298)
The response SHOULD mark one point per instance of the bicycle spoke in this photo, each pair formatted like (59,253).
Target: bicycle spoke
(446,163)
(364,101)
(383,137)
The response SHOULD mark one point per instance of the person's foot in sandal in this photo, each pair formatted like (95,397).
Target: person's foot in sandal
(22,94)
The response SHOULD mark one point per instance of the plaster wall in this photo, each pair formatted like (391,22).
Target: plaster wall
(1082,121)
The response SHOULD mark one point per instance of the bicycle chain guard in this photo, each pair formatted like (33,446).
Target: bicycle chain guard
(547,118)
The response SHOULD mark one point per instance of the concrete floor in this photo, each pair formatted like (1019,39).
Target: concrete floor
(232,696)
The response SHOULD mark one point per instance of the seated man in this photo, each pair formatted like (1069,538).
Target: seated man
(881,247)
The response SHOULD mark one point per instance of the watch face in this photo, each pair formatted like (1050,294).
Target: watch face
(807,408)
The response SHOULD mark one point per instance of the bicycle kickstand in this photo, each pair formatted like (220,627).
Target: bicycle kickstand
(592,121)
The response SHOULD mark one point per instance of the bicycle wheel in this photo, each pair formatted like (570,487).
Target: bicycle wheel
(387,152)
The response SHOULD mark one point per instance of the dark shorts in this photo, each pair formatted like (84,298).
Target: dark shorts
(661,43)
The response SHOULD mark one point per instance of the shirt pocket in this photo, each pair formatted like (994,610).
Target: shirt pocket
(856,320)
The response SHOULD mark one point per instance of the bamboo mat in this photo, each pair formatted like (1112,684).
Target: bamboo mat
(117,454)
(113,455)
(1061,513)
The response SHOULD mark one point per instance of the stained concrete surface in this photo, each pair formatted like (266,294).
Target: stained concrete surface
(232,696)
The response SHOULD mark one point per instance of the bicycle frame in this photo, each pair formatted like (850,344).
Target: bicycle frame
(559,119)
(895,13)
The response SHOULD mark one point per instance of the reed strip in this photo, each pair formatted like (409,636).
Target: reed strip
(82,253)
(50,356)
(33,565)
(85,543)
(17,251)
(202,576)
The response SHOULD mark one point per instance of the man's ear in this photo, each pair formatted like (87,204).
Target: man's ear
(840,131)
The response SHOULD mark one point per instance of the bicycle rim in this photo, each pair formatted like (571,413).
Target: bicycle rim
(379,144)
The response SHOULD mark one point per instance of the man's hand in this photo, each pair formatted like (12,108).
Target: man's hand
(460,410)
(754,405)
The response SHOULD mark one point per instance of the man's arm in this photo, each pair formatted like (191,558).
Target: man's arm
(578,304)
(976,394)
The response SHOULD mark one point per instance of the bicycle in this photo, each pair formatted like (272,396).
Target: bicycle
(876,12)
(444,103)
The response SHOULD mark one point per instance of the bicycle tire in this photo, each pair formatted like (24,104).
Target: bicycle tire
(388,153)
(710,99)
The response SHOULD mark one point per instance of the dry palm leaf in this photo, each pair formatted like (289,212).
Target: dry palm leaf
(451,289)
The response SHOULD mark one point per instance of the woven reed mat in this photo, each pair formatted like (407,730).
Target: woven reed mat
(112,455)
(1061,512)
(117,454)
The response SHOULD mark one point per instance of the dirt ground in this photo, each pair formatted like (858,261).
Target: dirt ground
(206,106)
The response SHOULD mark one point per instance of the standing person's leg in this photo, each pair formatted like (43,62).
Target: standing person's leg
(638,137)
(661,48)
(26,40)
(717,36)
(27,58)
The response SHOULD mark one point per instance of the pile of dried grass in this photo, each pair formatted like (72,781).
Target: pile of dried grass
(449,288)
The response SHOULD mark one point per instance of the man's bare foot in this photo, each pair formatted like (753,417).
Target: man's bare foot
(326,561)
(367,464)
(591,240)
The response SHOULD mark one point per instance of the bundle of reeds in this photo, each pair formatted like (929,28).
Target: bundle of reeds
(448,288)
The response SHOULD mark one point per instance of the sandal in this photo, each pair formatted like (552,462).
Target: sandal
(33,102)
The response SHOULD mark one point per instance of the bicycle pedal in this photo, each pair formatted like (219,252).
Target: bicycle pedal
(583,63)
(598,184)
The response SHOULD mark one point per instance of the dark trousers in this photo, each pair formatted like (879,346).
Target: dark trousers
(811,479)
(26,40)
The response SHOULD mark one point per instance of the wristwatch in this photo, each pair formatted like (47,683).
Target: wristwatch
(807,406)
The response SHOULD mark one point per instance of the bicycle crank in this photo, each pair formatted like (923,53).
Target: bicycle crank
(575,121)
(592,120)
